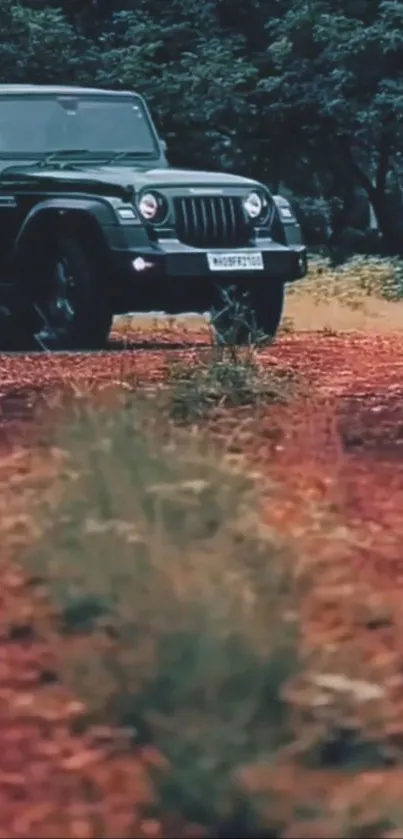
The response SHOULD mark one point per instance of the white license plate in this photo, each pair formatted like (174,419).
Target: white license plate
(235,261)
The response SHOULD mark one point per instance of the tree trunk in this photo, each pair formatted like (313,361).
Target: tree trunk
(388,222)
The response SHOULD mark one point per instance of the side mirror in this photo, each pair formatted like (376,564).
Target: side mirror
(164,145)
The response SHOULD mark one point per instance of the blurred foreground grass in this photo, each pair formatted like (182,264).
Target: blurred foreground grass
(185,604)
(181,618)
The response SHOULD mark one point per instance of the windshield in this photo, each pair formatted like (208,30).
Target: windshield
(39,124)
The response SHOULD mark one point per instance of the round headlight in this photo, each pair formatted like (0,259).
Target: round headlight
(152,206)
(254,205)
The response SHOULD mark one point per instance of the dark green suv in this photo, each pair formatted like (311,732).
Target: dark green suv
(94,222)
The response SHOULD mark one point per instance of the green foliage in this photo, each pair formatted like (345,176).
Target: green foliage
(305,93)
(170,63)
(37,46)
(224,381)
(337,80)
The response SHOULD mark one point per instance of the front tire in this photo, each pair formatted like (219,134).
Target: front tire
(250,317)
(61,298)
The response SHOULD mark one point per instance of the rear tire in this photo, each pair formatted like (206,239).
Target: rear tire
(251,316)
(61,297)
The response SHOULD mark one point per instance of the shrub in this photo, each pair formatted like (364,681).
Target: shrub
(224,381)
(229,376)
(352,282)
(183,604)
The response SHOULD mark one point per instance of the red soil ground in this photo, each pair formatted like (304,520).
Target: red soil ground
(342,446)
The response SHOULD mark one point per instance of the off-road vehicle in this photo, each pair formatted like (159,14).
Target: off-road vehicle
(94,222)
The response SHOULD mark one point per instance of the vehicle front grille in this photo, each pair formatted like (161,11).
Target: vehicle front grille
(211,221)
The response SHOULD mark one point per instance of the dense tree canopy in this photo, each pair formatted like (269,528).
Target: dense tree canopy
(305,94)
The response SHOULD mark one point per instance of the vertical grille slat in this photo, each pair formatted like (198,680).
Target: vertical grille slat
(215,220)
(193,206)
(232,211)
(223,220)
(211,221)
(204,230)
(186,226)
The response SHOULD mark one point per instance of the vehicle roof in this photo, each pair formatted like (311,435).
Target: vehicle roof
(62,90)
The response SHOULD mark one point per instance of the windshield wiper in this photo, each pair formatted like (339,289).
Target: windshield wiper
(50,157)
(126,155)
(64,155)
(60,154)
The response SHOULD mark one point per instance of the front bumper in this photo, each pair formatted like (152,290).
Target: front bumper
(173,276)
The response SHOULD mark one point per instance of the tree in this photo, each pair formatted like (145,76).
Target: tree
(336,90)
(306,93)
(39,46)
(196,83)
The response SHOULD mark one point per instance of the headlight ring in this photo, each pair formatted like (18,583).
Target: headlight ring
(256,207)
(152,207)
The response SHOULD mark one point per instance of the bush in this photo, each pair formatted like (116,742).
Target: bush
(222,381)
(183,603)
(379,276)
(352,282)
(229,376)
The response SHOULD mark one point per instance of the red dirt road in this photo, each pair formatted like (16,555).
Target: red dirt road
(350,431)
(348,434)
(342,445)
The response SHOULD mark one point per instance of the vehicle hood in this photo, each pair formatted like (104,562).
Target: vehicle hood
(126,177)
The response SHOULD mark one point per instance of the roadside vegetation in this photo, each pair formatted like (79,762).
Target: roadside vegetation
(199,593)
(180,613)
